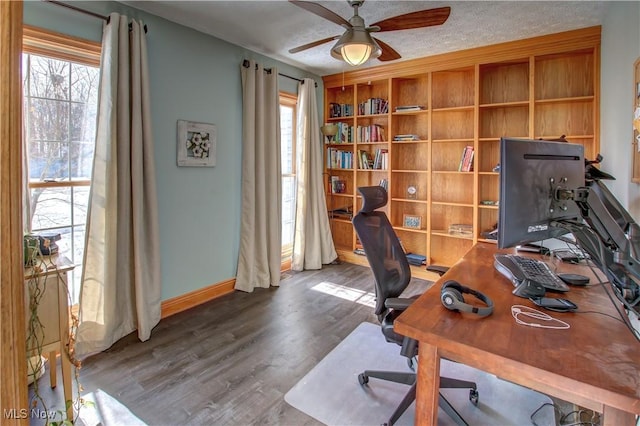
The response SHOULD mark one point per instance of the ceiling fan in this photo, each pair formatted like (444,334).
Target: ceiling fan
(355,45)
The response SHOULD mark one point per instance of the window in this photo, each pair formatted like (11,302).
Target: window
(60,84)
(288,126)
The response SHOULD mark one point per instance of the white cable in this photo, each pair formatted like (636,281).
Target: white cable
(526,311)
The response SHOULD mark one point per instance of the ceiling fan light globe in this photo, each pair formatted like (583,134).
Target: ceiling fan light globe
(355,47)
(356,54)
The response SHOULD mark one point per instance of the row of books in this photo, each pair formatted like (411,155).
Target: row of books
(340,110)
(372,133)
(384,183)
(345,134)
(406,137)
(370,106)
(380,160)
(348,134)
(339,159)
(373,106)
(466,160)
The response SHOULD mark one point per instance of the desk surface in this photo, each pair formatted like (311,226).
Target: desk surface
(595,363)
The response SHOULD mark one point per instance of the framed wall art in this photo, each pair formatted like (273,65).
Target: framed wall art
(196,144)
(412,221)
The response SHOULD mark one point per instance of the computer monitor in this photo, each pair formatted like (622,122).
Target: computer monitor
(531,171)
(544,194)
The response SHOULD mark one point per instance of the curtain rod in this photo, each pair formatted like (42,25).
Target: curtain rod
(86,12)
(245,64)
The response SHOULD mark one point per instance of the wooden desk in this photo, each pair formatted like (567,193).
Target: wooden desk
(53,313)
(595,363)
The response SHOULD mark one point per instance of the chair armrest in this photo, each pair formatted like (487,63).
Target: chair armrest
(398,303)
(440,270)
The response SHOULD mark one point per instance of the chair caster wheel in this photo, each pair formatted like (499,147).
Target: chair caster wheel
(362,379)
(474,396)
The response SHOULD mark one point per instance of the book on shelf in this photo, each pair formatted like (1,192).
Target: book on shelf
(402,108)
(372,133)
(345,212)
(407,137)
(461,229)
(373,106)
(340,110)
(380,161)
(416,259)
(466,159)
(339,159)
(384,183)
(345,134)
(364,160)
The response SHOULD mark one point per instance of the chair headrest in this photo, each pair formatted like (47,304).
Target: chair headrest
(373,197)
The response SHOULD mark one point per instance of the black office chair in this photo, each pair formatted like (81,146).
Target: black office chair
(392,275)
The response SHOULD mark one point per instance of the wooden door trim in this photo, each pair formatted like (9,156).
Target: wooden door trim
(13,365)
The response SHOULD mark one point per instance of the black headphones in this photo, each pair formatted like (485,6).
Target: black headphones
(451,298)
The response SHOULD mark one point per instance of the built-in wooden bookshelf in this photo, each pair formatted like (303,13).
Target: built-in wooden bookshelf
(543,87)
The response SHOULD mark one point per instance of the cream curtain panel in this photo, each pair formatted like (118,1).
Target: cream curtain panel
(312,242)
(121,287)
(260,224)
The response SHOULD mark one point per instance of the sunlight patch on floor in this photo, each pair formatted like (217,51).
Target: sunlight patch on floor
(347,293)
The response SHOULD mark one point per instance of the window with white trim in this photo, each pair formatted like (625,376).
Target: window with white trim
(60,77)
(288,111)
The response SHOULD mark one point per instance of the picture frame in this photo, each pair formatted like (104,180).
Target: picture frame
(412,221)
(196,144)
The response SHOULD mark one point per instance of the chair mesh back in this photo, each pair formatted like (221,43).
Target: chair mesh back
(384,252)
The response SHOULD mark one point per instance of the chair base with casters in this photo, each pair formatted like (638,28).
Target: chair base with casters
(410,396)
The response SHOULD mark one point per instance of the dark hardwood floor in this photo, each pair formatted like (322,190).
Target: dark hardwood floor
(231,361)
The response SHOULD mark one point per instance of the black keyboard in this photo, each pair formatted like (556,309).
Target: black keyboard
(536,271)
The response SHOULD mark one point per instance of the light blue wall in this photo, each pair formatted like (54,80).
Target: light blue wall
(620,48)
(194,77)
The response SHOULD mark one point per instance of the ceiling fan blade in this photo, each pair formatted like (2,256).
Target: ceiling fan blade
(322,11)
(388,53)
(419,19)
(313,44)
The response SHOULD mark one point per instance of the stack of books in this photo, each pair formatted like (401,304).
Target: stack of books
(407,137)
(345,212)
(405,108)
(461,229)
(416,259)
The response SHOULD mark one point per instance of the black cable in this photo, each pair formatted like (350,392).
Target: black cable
(595,247)
(601,313)
(562,417)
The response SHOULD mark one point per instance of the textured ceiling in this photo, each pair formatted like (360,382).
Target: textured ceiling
(273,27)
